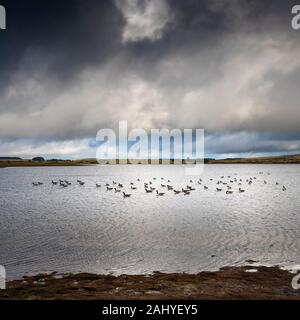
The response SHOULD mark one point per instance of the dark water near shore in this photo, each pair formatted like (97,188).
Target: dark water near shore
(82,228)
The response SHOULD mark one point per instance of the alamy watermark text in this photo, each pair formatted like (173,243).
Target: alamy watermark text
(296,17)
(2,18)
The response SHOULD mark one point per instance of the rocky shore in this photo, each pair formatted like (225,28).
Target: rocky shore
(228,283)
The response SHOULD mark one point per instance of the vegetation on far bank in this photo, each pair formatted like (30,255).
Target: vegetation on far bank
(40,162)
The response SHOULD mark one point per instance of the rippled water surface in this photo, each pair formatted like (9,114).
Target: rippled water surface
(84,228)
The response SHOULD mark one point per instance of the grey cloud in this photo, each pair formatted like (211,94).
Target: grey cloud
(78,66)
(243,142)
(144,19)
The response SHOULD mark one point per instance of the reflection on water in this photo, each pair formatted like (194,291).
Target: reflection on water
(84,228)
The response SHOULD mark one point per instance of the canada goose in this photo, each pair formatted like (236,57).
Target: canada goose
(126,195)
(154,178)
(109,188)
(241,190)
(132,183)
(138,180)
(107,184)
(117,190)
(120,185)
(265,182)
(177,191)
(205,187)
(152,188)
(169,187)
(277,183)
(169,181)
(81,183)
(190,188)
(283,188)
(160,194)
(35,184)
(148,190)
(218,189)
(186,191)
(40,183)
(191,181)
(229,192)
(54,183)
(98,185)
(114,182)
(163,185)
(133,188)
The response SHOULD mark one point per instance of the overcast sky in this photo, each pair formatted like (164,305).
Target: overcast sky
(71,67)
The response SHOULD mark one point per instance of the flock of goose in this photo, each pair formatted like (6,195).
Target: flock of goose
(223,184)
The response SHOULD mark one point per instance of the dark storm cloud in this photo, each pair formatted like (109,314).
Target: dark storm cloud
(242,142)
(66,36)
(69,68)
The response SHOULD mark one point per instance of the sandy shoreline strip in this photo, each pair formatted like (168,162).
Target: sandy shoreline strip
(247,282)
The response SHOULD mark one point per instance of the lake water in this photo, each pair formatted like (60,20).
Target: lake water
(84,228)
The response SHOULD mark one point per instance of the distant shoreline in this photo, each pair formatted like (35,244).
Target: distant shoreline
(248,282)
(292,159)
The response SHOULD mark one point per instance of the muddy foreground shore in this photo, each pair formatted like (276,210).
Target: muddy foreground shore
(228,283)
